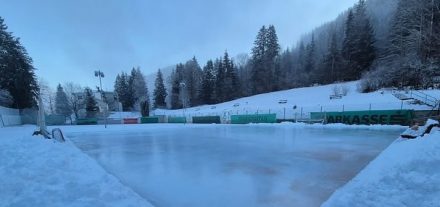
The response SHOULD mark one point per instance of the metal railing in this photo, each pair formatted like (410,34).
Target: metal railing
(423,97)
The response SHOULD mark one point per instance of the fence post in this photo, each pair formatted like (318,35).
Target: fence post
(284,113)
(343,107)
(301,113)
(321,109)
(370,107)
(401,104)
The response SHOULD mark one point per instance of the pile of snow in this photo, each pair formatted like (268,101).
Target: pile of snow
(290,103)
(407,173)
(41,172)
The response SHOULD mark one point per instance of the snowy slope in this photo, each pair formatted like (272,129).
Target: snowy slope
(405,174)
(41,172)
(310,99)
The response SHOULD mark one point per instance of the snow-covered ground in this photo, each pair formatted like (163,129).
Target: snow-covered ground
(407,173)
(41,172)
(309,99)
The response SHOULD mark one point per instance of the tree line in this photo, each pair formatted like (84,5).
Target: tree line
(395,47)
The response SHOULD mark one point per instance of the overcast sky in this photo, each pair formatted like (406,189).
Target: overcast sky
(68,40)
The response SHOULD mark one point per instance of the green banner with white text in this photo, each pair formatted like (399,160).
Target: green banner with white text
(383,117)
(253,118)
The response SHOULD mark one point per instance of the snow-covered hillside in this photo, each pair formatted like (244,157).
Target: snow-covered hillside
(305,100)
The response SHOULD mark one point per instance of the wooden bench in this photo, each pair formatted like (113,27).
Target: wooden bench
(335,97)
(282,101)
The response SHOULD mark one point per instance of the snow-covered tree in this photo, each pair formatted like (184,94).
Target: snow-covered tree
(47,95)
(138,88)
(62,106)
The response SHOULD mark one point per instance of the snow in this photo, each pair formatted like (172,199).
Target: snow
(41,172)
(233,165)
(405,174)
(309,99)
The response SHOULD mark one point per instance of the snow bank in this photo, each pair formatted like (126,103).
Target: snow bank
(336,126)
(40,172)
(407,173)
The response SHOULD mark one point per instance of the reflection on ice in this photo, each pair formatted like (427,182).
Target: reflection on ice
(223,165)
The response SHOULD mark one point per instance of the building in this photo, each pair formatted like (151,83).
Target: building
(103,100)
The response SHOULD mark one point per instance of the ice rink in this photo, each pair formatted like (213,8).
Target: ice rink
(226,165)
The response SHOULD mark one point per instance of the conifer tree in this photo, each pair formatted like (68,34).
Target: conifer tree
(176,82)
(91,105)
(62,106)
(160,92)
(219,81)
(16,69)
(230,82)
(259,78)
(207,94)
(358,49)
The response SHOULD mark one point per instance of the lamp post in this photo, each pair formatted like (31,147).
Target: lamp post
(183,94)
(100,75)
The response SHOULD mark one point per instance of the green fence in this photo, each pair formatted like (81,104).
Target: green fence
(149,120)
(385,117)
(206,120)
(178,120)
(55,120)
(253,118)
(87,121)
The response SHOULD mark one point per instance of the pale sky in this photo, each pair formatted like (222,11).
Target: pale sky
(68,40)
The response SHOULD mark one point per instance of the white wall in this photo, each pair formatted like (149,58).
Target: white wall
(9,117)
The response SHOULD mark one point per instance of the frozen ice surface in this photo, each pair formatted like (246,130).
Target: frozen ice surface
(226,165)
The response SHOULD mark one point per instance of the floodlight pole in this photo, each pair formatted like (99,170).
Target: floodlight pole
(100,75)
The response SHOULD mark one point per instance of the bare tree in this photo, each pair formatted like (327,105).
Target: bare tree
(71,89)
(47,95)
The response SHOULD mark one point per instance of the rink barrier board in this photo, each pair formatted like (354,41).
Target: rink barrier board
(177,120)
(130,121)
(206,120)
(87,121)
(149,120)
(383,117)
(253,118)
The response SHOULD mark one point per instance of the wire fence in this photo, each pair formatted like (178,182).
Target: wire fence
(283,112)
(12,117)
